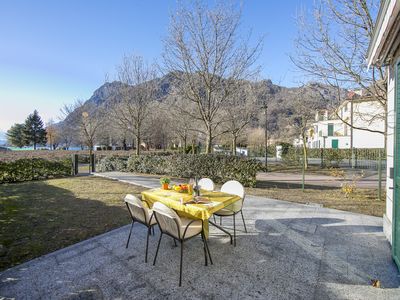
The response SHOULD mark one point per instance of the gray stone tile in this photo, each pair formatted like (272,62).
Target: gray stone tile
(292,251)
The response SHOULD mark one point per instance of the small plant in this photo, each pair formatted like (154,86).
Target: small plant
(165,180)
(349,188)
(335,172)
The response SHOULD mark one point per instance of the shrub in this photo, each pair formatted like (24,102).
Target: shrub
(34,169)
(349,188)
(219,168)
(333,157)
(111,163)
(337,173)
(286,147)
(292,156)
(189,149)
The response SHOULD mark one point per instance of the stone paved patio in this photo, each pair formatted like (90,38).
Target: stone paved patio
(292,251)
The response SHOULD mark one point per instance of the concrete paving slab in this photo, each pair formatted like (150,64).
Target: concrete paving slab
(291,251)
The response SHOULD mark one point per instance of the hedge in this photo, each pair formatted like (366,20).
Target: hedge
(220,168)
(34,169)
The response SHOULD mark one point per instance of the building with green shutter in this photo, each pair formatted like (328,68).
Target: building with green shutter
(384,49)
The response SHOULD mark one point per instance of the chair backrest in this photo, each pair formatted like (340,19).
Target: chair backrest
(137,209)
(167,219)
(206,184)
(235,188)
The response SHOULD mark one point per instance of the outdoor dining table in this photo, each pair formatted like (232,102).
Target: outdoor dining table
(172,199)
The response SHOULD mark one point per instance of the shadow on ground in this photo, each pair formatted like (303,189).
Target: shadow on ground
(38,218)
(290,252)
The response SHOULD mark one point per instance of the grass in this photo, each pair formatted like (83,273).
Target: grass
(39,217)
(363,201)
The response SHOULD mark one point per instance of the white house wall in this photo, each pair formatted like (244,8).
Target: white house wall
(361,138)
(387,218)
(366,139)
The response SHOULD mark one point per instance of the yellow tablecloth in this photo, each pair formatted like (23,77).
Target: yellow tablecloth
(203,212)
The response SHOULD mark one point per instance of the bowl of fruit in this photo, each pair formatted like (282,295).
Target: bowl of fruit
(180,188)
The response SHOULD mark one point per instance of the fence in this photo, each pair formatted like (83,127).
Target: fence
(344,158)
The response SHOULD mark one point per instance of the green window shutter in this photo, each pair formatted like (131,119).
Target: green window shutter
(396,200)
(330,129)
(335,144)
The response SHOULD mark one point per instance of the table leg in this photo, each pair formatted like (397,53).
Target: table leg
(222,229)
(206,228)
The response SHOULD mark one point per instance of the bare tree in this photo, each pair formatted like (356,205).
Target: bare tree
(255,137)
(238,113)
(85,120)
(302,116)
(135,97)
(333,47)
(89,124)
(206,55)
(181,122)
(52,134)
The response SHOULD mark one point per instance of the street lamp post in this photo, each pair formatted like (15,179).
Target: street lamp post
(323,149)
(265,107)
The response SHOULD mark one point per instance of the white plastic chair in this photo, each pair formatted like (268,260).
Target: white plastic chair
(235,188)
(140,214)
(206,184)
(180,229)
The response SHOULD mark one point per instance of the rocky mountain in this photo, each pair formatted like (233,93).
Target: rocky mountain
(279,98)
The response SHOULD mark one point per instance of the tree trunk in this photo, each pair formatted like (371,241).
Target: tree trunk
(184,144)
(124,144)
(305,158)
(137,144)
(209,141)
(234,138)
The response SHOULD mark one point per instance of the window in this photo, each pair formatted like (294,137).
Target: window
(330,129)
(345,107)
(345,133)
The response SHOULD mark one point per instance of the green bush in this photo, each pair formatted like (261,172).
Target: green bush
(286,147)
(34,169)
(259,151)
(333,157)
(292,156)
(189,149)
(111,163)
(219,168)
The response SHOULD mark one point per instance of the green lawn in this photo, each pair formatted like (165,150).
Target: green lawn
(39,217)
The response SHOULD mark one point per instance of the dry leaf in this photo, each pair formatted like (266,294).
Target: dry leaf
(376,283)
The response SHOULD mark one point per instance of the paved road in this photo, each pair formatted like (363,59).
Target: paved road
(318,180)
(291,251)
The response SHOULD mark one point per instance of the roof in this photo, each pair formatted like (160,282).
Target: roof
(385,38)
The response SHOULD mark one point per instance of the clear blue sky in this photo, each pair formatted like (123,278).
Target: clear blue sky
(53,52)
